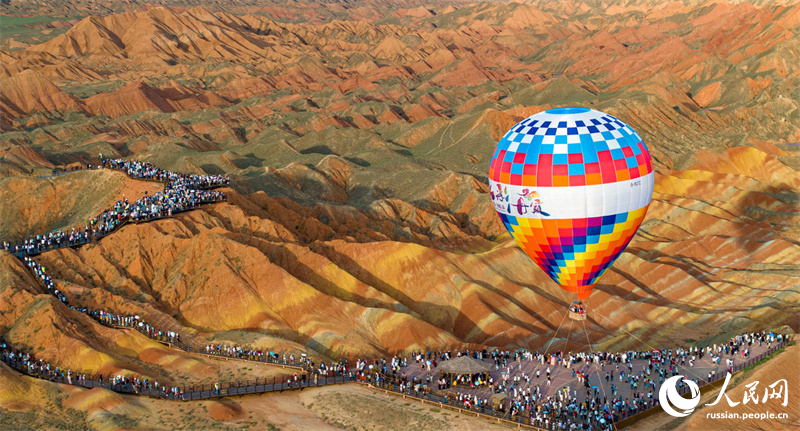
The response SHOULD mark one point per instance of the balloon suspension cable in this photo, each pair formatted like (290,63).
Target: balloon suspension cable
(599,371)
(652,347)
(687,370)
(555,334)
(626,331)
(550,343)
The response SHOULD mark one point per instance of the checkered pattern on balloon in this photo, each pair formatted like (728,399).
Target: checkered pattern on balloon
(572,186)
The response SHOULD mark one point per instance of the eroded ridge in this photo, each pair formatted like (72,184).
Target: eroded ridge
(182,192)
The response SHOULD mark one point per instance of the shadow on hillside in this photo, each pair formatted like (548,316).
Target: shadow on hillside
(309,191)
(761,225)
(365,276)
(444,317)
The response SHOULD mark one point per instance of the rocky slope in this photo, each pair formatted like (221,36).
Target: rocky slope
(358,141)
(39,205)
(717,254)
(349,406)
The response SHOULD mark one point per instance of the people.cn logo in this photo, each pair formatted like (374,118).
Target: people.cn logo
(668,396)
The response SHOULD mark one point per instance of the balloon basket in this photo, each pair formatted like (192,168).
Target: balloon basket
(577,316)
(577,311)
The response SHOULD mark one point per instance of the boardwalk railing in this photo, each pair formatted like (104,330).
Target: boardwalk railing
(302,381)
(98,235)
(306,379)
(178,343)
(114,220)
(183,392)
(445,401)
(684,389)
(524,416)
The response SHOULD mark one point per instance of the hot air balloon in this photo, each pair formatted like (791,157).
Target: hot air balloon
(572,186)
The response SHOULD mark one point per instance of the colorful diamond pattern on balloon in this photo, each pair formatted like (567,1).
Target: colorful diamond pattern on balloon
(572,186)
(573,152)
(575,252)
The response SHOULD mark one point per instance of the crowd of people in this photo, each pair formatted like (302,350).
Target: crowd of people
(28,364)
(523,377)
(104,317)
(594,404)
(181,192)
(138,385)
(135,322)
(299,360)
(147,171)
(578,308)
(591,397)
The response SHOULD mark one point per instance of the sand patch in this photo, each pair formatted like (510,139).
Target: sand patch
(225,410)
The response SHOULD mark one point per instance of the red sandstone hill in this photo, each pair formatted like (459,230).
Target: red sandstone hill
(716,246)
(358,138)
(507,45)
(29,92)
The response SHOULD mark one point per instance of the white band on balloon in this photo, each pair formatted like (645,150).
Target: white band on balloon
(574,201)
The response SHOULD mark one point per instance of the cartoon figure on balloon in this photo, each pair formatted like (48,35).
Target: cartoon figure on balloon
(534,203)
(577,209)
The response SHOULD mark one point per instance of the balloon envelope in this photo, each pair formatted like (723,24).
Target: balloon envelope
(572,186)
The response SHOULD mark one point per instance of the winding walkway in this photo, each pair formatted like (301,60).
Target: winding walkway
(182,192)
(187,192)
